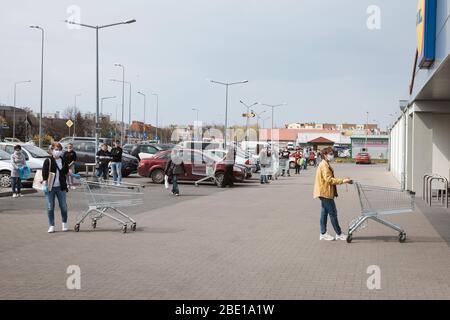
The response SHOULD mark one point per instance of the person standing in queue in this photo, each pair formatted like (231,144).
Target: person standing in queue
(229,161)
(264,162)
(174,168)
(54,184)
(17,163)
(116,162)
(103,157)
(325,190)
(70,157)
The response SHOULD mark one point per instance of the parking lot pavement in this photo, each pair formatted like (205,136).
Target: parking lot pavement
(249,242)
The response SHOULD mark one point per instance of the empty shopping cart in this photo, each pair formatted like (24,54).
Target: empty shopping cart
(104,198)
(378,201)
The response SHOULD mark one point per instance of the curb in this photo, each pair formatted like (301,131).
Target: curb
(24,191)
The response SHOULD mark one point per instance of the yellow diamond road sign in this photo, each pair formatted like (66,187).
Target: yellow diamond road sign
(69,123)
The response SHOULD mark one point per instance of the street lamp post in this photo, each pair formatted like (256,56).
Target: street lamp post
(103,99)
(122,131)
(129,99)
(97,28)
(196,133)
(143,127)
(367,127)
(227,84)
(273,107)
(42,83)
(75,114)
(14,108)
(258,117)
(247,120)
(157,109)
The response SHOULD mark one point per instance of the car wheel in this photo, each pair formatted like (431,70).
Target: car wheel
(219,179)
(157,176)
(5,180)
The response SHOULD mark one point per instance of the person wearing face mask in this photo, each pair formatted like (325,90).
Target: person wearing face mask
(116,162)
(103,158)
(325,190)
(17,162)
(60,169)
(70,157)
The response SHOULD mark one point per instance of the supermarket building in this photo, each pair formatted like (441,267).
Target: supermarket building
(420,137)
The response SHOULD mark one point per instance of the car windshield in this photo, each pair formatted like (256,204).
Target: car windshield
(35,151)
(4,155)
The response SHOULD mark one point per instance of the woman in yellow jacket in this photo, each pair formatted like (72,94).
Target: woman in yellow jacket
(325,190)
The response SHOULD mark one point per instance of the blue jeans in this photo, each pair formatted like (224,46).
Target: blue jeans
(16,184)
(175,188)
(328,207)
(116,168)
(50,200)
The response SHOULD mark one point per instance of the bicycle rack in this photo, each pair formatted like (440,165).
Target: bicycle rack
(427,191)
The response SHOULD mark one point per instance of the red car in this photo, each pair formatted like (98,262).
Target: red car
(154,167)
(363,157)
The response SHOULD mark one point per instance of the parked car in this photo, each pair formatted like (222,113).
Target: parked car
(363,157)
(150,148)
(85,149)
(5,163)
(195,162)
(66,140)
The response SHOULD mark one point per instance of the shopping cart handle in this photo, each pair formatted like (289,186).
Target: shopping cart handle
(75,175)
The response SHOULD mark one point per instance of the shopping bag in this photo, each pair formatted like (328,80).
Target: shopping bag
(37,182)
(166,181)
(24,173)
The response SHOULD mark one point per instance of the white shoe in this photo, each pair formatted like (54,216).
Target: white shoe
(72,187)
(20,195)
(64,227)
(15,195)
(326,237)
(342,236)
(51,229)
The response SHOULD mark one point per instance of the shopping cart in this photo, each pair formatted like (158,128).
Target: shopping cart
(379,201)
(206,170)
(104,198)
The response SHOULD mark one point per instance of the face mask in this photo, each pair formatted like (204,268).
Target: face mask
(57,153)
(330,157)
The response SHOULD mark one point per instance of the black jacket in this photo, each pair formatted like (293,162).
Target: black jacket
(62,173)
(173,169)
(70,156)
(104,157)
(116,154)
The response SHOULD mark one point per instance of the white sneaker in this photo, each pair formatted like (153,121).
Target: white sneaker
(64,227)
(51,229)
(20,195)
(342,236)
(326,237)
(15,195)
(73,187)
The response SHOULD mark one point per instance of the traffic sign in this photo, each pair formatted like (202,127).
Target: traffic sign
(69,123)
(249,115)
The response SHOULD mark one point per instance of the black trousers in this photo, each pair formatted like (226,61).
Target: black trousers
(103,171)
(228,176)
(297,168)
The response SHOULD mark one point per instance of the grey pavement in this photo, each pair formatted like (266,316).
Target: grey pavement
(250,242)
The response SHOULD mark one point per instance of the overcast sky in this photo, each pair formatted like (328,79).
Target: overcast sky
(316,55)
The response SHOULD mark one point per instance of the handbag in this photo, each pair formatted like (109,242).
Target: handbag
(38,179)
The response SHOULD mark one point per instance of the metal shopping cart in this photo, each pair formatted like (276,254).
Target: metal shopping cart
(207,170)
(379,201)
(104,198)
